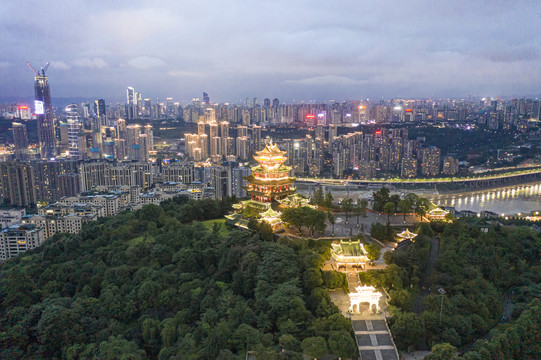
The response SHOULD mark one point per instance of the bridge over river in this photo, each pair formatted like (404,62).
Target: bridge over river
(481,181)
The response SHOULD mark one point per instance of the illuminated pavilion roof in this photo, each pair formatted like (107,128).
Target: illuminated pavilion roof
(406,234)
(270,214)
(271,156)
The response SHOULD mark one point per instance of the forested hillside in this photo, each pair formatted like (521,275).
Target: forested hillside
(153,284)
(479,272)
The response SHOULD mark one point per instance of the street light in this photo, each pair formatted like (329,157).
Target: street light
(442,292)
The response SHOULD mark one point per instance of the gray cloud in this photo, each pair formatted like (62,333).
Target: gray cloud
(60,65)
(326,80)
(146,62)
(91,63)
(289,49)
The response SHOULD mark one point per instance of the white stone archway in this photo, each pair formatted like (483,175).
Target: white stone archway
(364,294)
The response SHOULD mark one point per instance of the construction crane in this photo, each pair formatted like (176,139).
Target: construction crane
(43,69)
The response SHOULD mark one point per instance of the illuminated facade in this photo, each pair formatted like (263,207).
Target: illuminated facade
(348,253)
(45,116)
(270,180)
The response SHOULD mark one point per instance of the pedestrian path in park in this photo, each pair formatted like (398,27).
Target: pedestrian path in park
(373,338)
(372,334)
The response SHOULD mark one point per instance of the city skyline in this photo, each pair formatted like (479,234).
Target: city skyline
(308,51)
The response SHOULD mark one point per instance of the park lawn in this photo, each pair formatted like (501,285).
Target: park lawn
(209,224)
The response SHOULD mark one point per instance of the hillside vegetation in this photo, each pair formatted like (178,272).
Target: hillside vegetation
(153,284)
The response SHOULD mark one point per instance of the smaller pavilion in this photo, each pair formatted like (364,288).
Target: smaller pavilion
(404,240)
(273,218)
(406,235)
(436,213)
(348,254)
(364,294)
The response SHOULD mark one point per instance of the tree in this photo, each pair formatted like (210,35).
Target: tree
(408,330)
(381,197)
(347,207)
(292,217)
(450,217)
(312,219)
(342,345)
(412,197)
(404,206)
(120,348)
(381,232)
(357,210)
(421,207)
(265,231)
(314,347)
(332,220)
(443,351)
(319,197)
(315,220)
(373,252)
(328,201)
(389,209)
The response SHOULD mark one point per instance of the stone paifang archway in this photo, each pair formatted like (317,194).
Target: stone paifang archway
(364,294)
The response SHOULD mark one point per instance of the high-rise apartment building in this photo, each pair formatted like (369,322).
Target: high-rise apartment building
(20,140)
(17,184)
(409,167)
(74,129)
(47,174)
(450,165)
(430,161)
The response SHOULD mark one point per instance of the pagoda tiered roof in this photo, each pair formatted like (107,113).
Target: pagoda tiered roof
(271,157)
(271,151)
(270,214)
(271,182)
(281,169)
(269,193)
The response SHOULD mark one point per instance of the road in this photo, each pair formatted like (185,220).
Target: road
(418,305)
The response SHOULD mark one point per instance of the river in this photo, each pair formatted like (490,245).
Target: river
(508,200)
(515,199)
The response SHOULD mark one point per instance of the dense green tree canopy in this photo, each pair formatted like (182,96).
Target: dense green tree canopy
(153,284)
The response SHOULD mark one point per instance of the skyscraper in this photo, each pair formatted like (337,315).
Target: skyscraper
(99,110)
(130,103)
(45,115)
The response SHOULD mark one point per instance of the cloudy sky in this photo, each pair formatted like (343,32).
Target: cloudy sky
(291,49)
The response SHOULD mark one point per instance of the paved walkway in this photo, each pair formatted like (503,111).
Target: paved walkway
(372,334)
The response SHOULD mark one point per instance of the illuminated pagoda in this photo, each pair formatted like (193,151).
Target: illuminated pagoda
(270,188)
(269,180)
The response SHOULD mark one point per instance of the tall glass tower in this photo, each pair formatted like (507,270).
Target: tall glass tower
(44,111)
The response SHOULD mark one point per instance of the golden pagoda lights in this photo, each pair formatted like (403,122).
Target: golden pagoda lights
(270,180)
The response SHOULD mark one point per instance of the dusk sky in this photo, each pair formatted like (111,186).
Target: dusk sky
(299,50)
